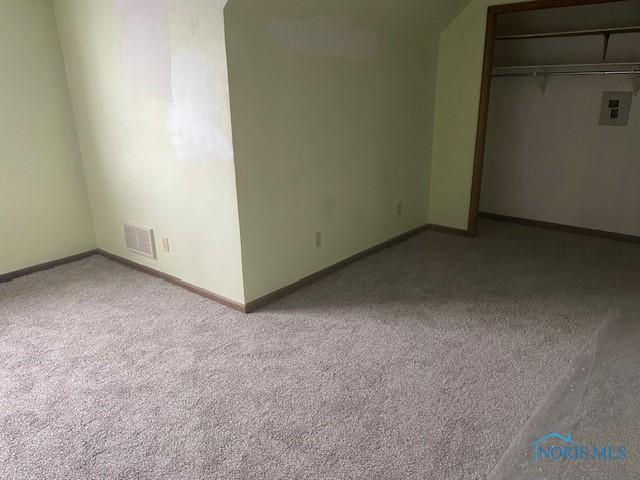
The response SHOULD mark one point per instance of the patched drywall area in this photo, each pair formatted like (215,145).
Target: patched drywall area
(145,46)
(194,110)
(148,79)
(44,207)
(186,79)
(332,106)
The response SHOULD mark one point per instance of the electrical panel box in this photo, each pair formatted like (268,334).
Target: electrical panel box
(616,107)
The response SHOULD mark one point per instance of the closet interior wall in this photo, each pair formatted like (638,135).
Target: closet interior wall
(547,156)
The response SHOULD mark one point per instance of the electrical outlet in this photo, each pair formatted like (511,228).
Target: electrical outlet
(318,239)
(165,245)
(399,209)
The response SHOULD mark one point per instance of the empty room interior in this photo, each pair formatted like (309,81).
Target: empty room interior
(319,239)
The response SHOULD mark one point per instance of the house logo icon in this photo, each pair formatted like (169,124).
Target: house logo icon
(558,447)
(539,444)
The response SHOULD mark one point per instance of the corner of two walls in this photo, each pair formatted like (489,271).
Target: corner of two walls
(148,82)
(44,210)
(332,118)
(330,136)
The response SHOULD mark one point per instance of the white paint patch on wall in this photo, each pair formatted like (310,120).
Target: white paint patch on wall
(146,45)
(194,114)
(324,35)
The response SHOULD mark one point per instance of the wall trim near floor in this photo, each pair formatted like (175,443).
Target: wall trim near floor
(253,305)
(451,230)
(174,280)
(7,277)
(621,237)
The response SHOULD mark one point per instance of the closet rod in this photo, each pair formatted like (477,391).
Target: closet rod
(571,33)
(551,74)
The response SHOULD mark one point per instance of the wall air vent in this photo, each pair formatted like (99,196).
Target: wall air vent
(139,239)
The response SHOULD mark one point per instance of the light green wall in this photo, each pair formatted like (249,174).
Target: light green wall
(324,142)
(456,114)
(328,139)
(44,210)
(155,133)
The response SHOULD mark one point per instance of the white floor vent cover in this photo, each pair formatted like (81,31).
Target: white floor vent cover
(139,239)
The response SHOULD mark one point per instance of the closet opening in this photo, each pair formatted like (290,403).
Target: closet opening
(558,141)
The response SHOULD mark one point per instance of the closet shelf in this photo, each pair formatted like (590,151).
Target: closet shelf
(571,33)
(626,68)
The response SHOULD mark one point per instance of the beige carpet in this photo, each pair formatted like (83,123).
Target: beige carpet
(421,362)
